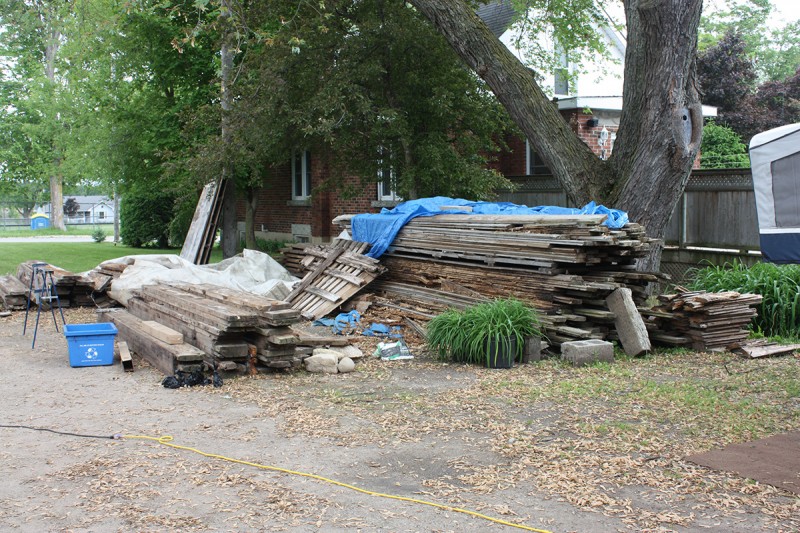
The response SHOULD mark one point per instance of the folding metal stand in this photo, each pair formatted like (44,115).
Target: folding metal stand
(42,289)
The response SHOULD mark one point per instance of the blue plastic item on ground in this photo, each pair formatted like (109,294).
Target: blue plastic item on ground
(380,229)
(341,322)
(90,344)
(382,330)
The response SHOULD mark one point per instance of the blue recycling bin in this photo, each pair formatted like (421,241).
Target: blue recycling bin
(40,221)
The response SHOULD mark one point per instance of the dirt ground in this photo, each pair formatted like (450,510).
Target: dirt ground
(417,429)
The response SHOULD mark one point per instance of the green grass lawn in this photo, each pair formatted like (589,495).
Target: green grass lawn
(75,257)
(79,229)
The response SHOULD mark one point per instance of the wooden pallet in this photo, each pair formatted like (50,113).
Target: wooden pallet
(337,272)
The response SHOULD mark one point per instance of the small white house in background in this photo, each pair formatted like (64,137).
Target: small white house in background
(589,96)
(91,210)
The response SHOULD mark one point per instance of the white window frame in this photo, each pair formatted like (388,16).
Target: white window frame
(385,195)
(529,151)
(301,175)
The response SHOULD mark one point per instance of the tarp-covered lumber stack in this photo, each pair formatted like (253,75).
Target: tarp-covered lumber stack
(564,265)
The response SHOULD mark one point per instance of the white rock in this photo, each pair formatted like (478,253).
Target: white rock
(346,365)
(322,363)
(353,352)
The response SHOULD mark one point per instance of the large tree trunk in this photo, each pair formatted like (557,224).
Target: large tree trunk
(251,202)
(230,234)
(56,179)
(661,123)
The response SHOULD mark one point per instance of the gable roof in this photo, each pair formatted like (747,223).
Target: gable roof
(498,15)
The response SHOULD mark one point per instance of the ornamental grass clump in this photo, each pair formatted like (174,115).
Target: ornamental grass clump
(479,334)
(779,286)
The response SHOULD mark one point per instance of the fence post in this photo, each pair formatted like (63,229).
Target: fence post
(682,222)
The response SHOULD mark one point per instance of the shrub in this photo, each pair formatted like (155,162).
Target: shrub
(779,286)
(145,216)
(462,336)
(98,235)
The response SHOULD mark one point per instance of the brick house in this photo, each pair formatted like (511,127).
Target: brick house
(588,98)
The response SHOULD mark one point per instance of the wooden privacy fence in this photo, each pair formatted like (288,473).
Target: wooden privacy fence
(716,213)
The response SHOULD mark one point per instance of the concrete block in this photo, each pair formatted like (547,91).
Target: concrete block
(533,350)
(629,324)
(588,351)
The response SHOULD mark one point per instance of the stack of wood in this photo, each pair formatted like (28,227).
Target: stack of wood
(13,293)
(164,348)
(231,327)
(74,290)
(702,320)
(292,258)
(336,272)
(563,265)
(102,276)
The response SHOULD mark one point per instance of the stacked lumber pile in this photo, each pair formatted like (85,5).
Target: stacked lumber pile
(102,276)
(702,320)
(563,265)
(292,257)
(78,290)
(13,293)
(231,327)
(335,273)
(74,290)
(162,347)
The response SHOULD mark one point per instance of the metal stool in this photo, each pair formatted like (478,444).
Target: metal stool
(42,289)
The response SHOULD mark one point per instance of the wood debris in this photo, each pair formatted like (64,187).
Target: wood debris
(564,266)
(168,358)
(13,293)
(702,320)
(74,290)
(335,273)
(763,348)
(235,330)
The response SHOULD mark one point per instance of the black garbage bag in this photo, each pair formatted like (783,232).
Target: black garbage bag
(171,382)
(185,379)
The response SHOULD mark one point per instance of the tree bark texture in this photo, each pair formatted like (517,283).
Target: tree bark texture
(661,122)
(251,202)
(56,179)
(513,83)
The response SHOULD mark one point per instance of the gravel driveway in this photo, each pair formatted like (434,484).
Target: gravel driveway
(402,428)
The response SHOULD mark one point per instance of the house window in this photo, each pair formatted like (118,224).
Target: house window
(101,215)
(534,166)
(301,175)
(387,177)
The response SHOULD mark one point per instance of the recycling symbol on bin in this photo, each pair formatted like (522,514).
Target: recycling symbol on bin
(91,353)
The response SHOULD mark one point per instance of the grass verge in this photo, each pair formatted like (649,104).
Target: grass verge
(75,257)
(76,229)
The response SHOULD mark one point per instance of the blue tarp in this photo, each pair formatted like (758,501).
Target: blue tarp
(380,229)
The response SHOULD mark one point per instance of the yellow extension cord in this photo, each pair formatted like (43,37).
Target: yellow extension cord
(166,440)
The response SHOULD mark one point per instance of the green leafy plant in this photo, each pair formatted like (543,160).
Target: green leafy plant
(779,286)
(98,235)
(479,334)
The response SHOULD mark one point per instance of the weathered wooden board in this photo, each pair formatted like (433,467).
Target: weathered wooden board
(161,355)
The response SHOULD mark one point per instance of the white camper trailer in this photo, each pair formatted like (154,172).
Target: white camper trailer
(775,161)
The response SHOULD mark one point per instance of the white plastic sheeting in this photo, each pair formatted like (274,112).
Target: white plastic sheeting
(253,272)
